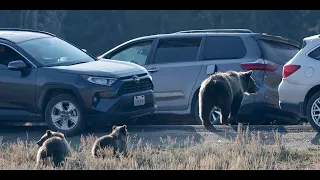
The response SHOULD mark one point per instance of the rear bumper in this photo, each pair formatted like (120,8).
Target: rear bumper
(291,97)
(108,110)
(292,93)
(253,109)
(293,108)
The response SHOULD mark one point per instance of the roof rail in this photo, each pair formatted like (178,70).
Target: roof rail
(217,31)
(21,29)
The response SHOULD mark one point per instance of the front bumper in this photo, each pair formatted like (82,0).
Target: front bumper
(109,110)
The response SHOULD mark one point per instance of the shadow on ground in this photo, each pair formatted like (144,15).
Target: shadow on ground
(316,139)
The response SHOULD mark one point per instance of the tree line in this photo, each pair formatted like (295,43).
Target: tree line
(100,30)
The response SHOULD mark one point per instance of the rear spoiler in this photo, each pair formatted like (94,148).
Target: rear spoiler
(265,36)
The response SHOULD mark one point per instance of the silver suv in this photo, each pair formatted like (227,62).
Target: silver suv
(180,61)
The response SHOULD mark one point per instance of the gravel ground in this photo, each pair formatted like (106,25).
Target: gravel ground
(295,137)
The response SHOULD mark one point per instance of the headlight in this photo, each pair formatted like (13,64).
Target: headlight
(100,80)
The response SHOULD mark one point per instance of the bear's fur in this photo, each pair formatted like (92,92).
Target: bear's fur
(224,91)
(52,145)
(117,140)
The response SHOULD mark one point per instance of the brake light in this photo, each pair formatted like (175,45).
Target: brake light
(260,64)
(289,69)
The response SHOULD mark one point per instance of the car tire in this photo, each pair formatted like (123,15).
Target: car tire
(53,113)
(311,103)
(197,117)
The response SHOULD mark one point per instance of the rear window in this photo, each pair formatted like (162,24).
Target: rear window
(315,54)
(224,47)
(304,43)
(277,52)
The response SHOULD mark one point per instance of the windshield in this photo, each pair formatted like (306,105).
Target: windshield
(53,51)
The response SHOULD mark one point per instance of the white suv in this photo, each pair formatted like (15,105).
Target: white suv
(299,90)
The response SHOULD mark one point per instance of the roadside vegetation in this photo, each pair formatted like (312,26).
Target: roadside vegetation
(242,153)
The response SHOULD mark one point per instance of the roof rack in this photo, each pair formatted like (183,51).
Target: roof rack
(21,29)
(217,31)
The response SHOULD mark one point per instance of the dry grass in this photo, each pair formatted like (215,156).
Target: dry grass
(242,153)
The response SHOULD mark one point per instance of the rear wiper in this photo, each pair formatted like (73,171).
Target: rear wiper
(78,62)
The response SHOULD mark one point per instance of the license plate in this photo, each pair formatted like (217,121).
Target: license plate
(138,100)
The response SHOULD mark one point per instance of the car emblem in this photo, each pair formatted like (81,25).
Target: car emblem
(136,79)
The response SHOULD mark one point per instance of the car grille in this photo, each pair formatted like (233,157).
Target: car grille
(132,86)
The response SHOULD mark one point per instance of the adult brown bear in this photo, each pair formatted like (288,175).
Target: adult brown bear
(224,91)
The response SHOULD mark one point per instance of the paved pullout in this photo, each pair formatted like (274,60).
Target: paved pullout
(298,137)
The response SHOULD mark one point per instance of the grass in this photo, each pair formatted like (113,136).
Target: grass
(242,153)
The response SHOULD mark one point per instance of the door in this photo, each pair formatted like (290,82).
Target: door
(17,95)
(135,52)
(174,70)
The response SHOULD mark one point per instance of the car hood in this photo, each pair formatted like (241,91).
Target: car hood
(104,68)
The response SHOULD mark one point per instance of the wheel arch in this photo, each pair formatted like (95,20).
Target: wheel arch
(52,90)
(308,96)
(194,98)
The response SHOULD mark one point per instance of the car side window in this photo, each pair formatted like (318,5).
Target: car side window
(224,47)
(136,53)
(7,54)
(315,54)
(174,50)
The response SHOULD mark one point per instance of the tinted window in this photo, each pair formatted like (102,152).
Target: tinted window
(54,51)
(177,50)
(224,47)
(279,53)
(315,54)
(7,55)
(136,53)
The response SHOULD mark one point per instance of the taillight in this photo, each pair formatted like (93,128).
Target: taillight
(260,64)
(289,69)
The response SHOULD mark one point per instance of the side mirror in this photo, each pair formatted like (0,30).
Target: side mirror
(84,50)
(18,65)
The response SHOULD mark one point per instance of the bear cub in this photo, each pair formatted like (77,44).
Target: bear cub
(117,140)
(224,91)
(53,145)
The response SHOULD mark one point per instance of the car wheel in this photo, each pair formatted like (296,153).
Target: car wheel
(313,111)
(214,118)
(64,114)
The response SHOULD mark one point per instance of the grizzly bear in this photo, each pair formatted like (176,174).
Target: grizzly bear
(224,91)
(52,145)
(117,140)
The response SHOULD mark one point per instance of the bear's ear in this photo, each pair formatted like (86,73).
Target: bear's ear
(114,127)
(62,134)
(48,132)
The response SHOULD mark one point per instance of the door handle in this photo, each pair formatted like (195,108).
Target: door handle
(153,70)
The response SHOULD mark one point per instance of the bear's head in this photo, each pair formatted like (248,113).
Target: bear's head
(48,135)
(249,84)
(120,131)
